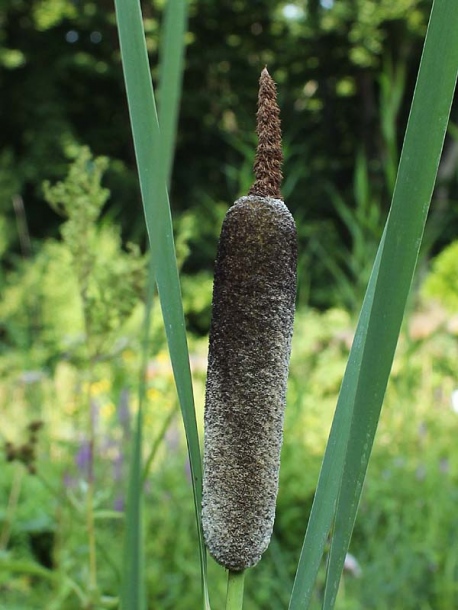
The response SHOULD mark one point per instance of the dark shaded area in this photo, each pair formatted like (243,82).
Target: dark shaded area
(61,83)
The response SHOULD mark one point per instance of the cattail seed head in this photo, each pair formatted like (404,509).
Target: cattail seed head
(250,341)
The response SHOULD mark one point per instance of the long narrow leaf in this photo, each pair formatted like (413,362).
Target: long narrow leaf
(325,500)
(372,353)
(412,195)
(170,76)
(152,158)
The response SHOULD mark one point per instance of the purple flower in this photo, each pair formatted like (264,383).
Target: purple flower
(83,459)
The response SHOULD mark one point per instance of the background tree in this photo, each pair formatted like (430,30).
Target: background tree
(345,72)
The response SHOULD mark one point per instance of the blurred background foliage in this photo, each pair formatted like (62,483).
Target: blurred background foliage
(345,72)
(72,291)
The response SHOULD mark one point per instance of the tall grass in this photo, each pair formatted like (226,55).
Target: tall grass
(363,388)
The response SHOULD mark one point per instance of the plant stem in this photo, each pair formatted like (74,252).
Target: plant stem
(90,521)
(158,443)
(234,598)
(91,536)
(11,507)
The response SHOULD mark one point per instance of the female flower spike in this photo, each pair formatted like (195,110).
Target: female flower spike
(250,343)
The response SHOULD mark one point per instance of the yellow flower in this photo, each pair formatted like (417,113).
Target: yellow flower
(153,394)
(107,410)
(100,387)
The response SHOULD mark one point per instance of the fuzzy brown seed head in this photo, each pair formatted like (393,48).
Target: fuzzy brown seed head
(250,340)
(269,156)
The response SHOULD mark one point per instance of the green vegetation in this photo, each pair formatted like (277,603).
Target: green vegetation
(405,539)
(94,453)
(345,70)
(442,282)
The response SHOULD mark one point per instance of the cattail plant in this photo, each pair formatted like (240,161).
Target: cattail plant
(245,392)
(250,342)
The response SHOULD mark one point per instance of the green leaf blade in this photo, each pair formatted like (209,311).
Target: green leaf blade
(324,504)
(412,195)
(365,379)
(170,77)
(154,155)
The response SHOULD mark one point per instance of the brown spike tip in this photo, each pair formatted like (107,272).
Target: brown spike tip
(269,156)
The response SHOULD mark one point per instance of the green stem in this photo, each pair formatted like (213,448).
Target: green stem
(12,506)
(235,581)
(90,520)
(90,524)
(158,443)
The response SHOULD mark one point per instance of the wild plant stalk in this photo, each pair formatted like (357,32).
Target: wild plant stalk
(158,442)
(90,491)
(80,199)
(107,293)
(235,587)
(369,364)
(253,307)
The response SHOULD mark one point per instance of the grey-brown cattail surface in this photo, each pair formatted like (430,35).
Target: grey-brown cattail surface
(250,342)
